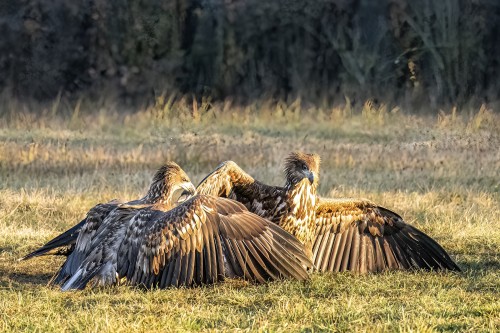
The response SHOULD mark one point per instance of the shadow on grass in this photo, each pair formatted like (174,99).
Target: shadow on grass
(20,280)
(489,263)
(17,275)
(474,257)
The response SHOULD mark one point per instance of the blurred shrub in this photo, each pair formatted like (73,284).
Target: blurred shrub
(321,51)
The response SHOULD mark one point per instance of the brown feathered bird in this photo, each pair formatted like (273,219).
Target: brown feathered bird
(340,234)
(199,241)
(170,186)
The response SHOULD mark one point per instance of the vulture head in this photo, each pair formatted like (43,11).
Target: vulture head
(299,166)
(171,185)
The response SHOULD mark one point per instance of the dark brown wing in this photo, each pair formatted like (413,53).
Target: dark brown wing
(206,240)
(228,180)
(64,243)
(257,249)
(201,241)
(359,236)
(100,258)
(87,235)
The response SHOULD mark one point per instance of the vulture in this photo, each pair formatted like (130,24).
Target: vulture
(341,234)
(189,241)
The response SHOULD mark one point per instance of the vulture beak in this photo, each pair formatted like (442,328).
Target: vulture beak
(188,191)
(310,176)
(189,187)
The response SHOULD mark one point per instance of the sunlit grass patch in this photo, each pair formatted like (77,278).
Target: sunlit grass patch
(441,177)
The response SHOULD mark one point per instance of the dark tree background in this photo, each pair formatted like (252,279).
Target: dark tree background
(417,51)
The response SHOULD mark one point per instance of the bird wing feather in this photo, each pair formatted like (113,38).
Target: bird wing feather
(64,243)
(228,180)
(357,235)
(207,239)
(201,241)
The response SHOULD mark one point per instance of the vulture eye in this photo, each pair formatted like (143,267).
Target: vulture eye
(304,167)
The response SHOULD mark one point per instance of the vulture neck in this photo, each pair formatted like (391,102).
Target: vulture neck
(300,211)
(161,194)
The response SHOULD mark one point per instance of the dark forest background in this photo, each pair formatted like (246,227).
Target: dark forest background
(416,52)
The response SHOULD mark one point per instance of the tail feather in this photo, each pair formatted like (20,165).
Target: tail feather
(70,267)
(102,275)
(74,282)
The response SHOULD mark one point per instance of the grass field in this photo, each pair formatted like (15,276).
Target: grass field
(440,173)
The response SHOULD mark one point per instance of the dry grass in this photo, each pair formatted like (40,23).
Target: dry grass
(440,173)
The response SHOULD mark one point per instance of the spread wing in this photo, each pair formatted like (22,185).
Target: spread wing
(228,180)
(359,236)
(64,243)
(201,241)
